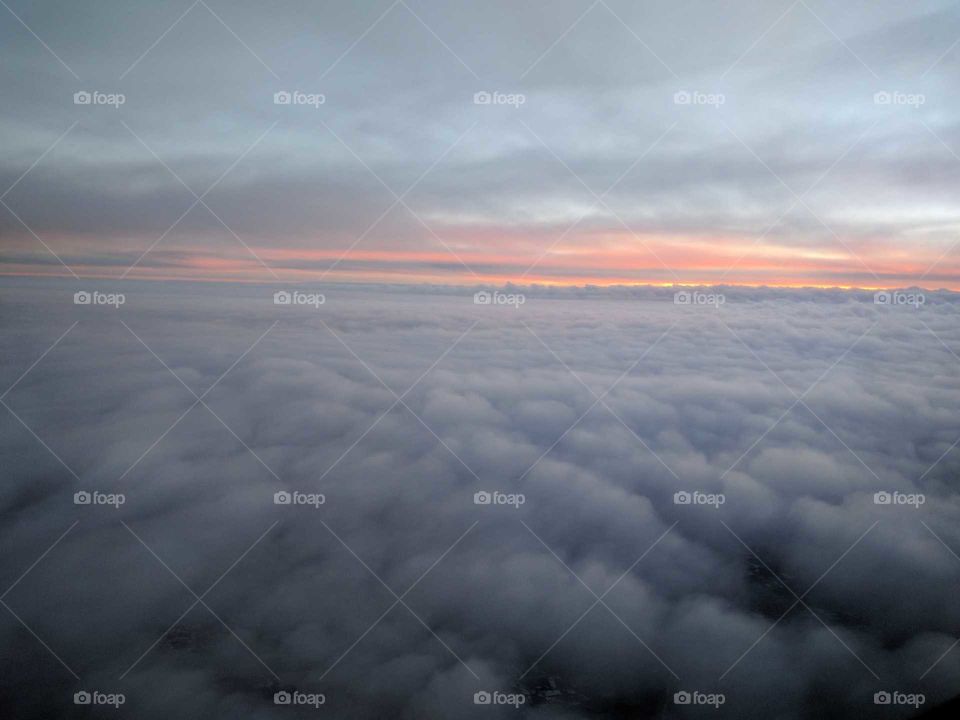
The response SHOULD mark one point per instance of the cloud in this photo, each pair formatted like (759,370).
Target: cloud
(599,117)
(489,590)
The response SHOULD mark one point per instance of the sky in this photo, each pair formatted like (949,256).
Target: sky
(768,142)
(540,359)
(797,596)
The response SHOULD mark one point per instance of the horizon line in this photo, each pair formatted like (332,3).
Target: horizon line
(507,283)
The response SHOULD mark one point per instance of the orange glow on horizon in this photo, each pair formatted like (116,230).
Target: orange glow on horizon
(662,263)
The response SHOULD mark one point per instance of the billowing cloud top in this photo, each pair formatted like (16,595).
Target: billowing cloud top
(587,502)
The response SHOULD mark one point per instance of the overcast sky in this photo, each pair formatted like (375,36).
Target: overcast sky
(592,498)
(778,163)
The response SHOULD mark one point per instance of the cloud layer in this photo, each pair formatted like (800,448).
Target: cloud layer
(464,597)
(799,176)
